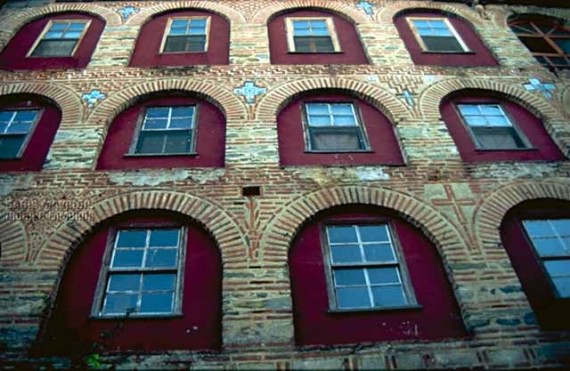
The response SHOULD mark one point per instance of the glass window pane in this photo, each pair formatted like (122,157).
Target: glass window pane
(127,258)
(76,26)
(344,121)
(561,226)
(349,277)
(492,110)
(6,116)
(19,128)
(179,23)
(442,44)
(157,112)
(178,142)
(444,32)
(317,121)
(120,303)
(467,110)
(476,121)
(161,258)
(317,109)
(548,247)
(336,140)
(54,48)
(379,253)
(185,111)
(29,116)
(198,22)
(72,35)
(563,44)
(177,31)
(124,282)
(53,35)
(155,282)
(353,297)
(342,109)
(498,121)
(537,44)
(537,228)
(346,254)
(155,124)
(151,142)
(383,275)
(498,138)
(320,32)
(3,127)
(300,24)
(181,123)
(374,233)
(132,238)
(196,31)
(388,296)
(157,303)
(562,285)
(420,23)
(342,234)
(557,268)
(164,237)
(10,146)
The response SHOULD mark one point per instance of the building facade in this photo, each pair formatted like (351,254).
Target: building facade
(284,185)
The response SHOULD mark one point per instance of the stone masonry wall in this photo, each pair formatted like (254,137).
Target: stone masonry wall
(44,215)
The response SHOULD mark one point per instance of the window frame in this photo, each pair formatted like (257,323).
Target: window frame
(541,259)
(400,265)
(168,27)
(420,41)
(357,116)
(138,129)
(106,271)
(30,133)
(521,136)
(87,23)
(290,31)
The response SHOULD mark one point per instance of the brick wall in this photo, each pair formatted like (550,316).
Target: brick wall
(44,215)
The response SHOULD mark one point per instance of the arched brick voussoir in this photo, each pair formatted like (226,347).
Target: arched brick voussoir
(13,239)
(502,17)
(228,235)
(231,14)
(282,228)
(566,100)
(344,10)
(18,19)
(430,99)
(227,101)
(270,105)
(68,101)
(490,213)
(388,12)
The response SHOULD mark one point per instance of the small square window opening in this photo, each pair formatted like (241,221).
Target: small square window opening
(16,127)
(312,35)
(186,35)
(60,38)
(437,35)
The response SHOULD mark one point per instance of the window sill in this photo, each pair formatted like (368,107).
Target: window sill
(335,152)
(382,309)
(449,53)
(335,52)
(482,150)
(115,317)
(191,154)
(185,52)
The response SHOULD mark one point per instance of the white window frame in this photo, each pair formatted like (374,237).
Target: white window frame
(87,23)
(478,146)
(291,33)
(169,26)
(29,135)
(450,27)
(139,129)
(399,264)
(106,271)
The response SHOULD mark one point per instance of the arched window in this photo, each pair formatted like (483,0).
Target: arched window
(57,41)
(172,130)
(307,36)
(183,38)
(487,127)
(436,38)
(547,39)
(536,235)
(28,124)
(148,281)
(359,272)
(328,128)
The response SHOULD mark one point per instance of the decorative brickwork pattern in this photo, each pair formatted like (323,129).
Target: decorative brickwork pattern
(392,9)
(349,12)
(12,239)
(226,11)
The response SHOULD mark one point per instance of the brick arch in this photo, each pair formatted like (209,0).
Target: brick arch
(67,101)
(386,102)
(231,14)
(387,13)
(342,9)
(287,222)
(431,98)
(17,21)
(13,239)
(490,213)
(217,222)
(230,105)
(502,18)
(566,100)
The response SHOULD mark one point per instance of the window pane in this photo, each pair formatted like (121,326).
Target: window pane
(349,277)
(383,275)
(177,31)
(342,234)
(420,23)
(76,26)
(155,282)
(6,116)
(120,303)
(180,23)
(561,226)
(300,24)
(388,296)
(346,254)
(537,45)
(498,138)
(178,142)
(58,26)
(468,110)
(127,258)
(548,247)
(19,128)
(374,233)
(29,116)
(131,238)
(562,285)
(476,120)
(442,44)
(164,237)
(156,303)
(181,123)
(317,109)
(151,142)
(72,35)
(124,282)
(353,297)
(157,112)
(161,258)
(335,140)
(345,121)
(155,124)
(557,268)
(10,145)
(537,228)
(563,44)
(54,48)
(319,120)
(379,253)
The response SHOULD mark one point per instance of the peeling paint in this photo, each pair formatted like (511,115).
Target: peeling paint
(347,174)
(156,177)
(516,170)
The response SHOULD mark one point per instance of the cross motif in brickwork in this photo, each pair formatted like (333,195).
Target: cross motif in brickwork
(127,11)
(408,97)
(249,90)
(454,202)
(93,97)
(544,88)
(366,6)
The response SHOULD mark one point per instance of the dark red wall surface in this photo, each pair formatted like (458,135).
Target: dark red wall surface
(479,55)
(381,138)
(552,312)
(530,125)
(146,53)
(438,318)
(42,137)
(352,51)
(70,329)
(13,57)
(210,140)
